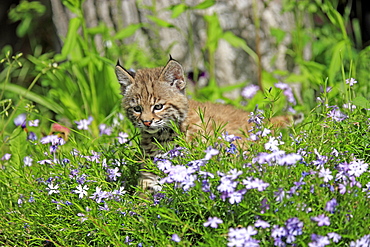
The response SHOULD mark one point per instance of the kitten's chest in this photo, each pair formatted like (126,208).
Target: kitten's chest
(150,142)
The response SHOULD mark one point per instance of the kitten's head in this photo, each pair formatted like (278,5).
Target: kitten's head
(153,98)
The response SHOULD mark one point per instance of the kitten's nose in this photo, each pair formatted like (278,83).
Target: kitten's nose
(147,123)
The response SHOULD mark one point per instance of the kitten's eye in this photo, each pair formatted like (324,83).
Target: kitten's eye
(137,108)
(158,107)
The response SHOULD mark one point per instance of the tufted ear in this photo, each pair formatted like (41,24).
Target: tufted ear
(125,78)
(173,74)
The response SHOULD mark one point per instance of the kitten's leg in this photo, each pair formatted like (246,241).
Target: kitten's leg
(149,182)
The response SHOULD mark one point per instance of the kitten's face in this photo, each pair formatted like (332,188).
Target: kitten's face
(154,97)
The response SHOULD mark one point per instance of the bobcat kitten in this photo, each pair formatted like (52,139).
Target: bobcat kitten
(152,98)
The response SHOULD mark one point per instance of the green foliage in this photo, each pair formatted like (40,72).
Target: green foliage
(25,12)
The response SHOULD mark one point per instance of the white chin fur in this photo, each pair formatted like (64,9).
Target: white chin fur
(151,131)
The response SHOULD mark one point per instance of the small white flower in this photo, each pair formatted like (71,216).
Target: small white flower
(33,123)
(351,82)
(53,189)
(81,191)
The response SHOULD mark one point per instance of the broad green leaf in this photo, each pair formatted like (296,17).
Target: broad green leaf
(230,88)
(33,97)
(127,31)
(278,34)
(101,28)
(361,102)
(239,43)
(18,144)
(338,51)
(214,32)
(178,9)
(71,39)
(160,22)
(205,4)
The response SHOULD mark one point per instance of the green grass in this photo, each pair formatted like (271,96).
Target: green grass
(295,186)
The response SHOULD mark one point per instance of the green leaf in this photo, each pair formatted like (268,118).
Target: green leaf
(230,88)
(71,39)
(214,32)
(18,142)
(160,22)
(361,102)
(33,97)
(101,28)
(278,34)
(239,43)
(205,4)
(178,9)
(127,31)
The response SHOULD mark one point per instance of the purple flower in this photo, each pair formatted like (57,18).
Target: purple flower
(334,236)
(319,241)
(176,152)
(81,179)
(330,205)
(236,196)
(336,115)
(262,224)
(279,195)
(113,173)
(33,123)
(210,152)
(104,208)
(83,124)
(234,174)
(362,242)
(82,217)
(6,156)
(229,138)
(105,130)
(342,188)
(249,91)
(163,164)
(265,132)
(326,174)
(99,195)
(53,140)
(122,138)
(242,237)
(289,159)
(232,149)
(31,136)
(256,118)
(265,206)
(213,222)
(255,183)
(322,220)
(95,157)
(175,238)
(27,161)
(294,228)
(351,82)
(20,120)
(288,92)
(273,144)
(278,232)
(226,185)
(357,167)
